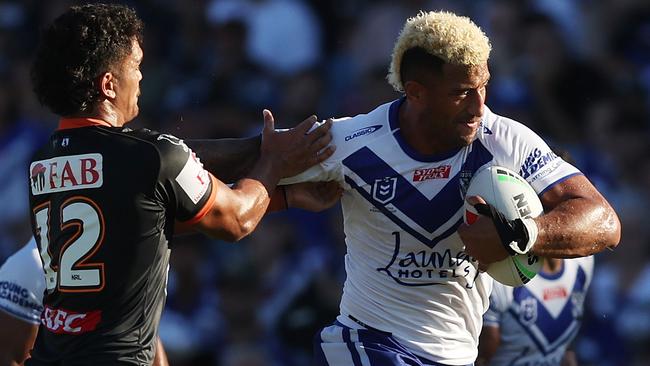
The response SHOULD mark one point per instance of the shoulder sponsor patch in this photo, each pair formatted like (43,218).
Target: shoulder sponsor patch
(193,179)
(18,295)
(66,173)
(535,161)
(362,132)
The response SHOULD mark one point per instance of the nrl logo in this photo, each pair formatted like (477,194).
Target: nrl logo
(383,190)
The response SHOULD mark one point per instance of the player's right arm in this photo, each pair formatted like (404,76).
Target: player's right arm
(16,339)
(234,212)
(20,306)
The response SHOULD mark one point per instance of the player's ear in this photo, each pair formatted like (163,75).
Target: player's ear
(107,85)
(414,91)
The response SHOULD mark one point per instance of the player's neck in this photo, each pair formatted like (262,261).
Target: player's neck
(104,111)
(419,133)
(552,265)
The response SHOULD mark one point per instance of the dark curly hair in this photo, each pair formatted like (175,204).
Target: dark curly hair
(78,47)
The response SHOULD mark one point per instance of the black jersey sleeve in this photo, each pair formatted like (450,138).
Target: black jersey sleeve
(189,188)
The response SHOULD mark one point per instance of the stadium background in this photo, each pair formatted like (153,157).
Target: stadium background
(576,71)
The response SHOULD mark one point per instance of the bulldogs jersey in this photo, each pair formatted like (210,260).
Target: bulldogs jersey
(407,273)
(22,284)
(539,320)
(104,201)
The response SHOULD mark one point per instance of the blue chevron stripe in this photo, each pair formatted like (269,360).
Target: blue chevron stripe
(428,214)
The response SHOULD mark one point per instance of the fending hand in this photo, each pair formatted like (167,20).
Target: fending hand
(294,150)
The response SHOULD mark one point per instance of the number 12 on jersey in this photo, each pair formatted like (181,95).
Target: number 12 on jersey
(71,271)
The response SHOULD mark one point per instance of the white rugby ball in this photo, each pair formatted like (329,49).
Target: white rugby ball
(511,195)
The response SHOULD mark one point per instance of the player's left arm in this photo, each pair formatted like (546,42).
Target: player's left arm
(160,358)
(578,221)
(488,343)
(569,358)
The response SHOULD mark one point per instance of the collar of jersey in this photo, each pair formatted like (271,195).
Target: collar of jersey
(68,123)
(393,120)
(553,276)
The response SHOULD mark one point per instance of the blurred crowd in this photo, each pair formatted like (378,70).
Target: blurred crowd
(576,71)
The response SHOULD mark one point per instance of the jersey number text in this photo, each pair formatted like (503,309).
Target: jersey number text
(73,273)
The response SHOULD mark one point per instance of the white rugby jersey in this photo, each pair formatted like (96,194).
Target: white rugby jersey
(22,283)
(406,269)
(539,320)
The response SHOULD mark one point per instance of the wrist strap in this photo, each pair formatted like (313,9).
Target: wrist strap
(531,227)
(517,236)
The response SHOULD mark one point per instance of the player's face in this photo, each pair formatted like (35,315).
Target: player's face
(127,84)
(456,100)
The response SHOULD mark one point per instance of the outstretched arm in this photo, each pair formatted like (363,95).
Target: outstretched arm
(235,211)
(228,159)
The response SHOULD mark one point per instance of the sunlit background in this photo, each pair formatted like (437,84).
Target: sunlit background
(576,71)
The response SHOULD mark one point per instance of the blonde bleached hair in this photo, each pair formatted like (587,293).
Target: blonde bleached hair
(454,39)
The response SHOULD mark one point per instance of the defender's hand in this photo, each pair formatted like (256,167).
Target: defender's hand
(317,196)
(481,238)
(293,151)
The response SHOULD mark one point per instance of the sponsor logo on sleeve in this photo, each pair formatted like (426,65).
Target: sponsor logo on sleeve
(66,173)
(193,179)
(535,162)
(440,172)
(362,132)
(19,295)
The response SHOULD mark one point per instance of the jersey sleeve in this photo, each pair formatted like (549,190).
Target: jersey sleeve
(22,284)
(517,147)
(587,264)
(500,300)
(184,184)
(330,169)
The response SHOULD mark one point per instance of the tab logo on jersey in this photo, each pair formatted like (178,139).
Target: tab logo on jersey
(65,173)
(440,172)
(383,190)
(362,132)
(193,179)
(61,321)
